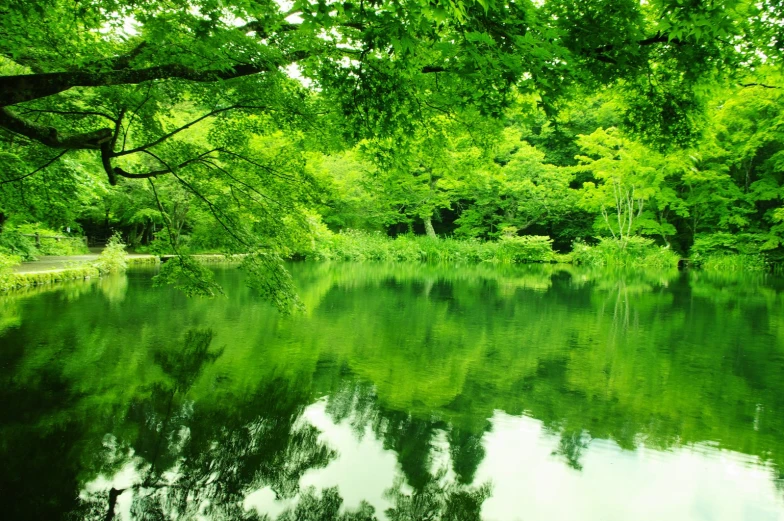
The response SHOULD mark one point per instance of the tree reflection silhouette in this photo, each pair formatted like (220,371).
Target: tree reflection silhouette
(467,453)
(432,496)
(202,459)
(654,360)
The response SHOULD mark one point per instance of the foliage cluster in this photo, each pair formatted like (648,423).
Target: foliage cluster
(637,252)
(15,239)
(14,243)
(6,274)
(225,126)
(113,258)
(355,245)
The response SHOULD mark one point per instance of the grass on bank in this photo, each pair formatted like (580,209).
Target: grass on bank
(16,241)
(711,253)
(113,259)
(353,245)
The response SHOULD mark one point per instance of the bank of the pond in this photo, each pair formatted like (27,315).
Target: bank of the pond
(710,253)
(358,246)
(82,267)
(11,281)
(509,249)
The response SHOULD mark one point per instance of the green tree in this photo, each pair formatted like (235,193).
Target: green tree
(628,178)
(515,189)
(194,89)
(426,172)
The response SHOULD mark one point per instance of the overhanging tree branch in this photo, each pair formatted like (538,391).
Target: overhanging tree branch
(115,171)
(184,127)
(50,136)
(600,53)
(83,113)
(27,87)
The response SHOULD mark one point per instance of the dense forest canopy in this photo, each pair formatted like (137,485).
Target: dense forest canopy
(242,126)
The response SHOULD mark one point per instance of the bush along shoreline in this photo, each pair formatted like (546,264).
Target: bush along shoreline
(711,252)
(113,259)
(353,245)
(716,252)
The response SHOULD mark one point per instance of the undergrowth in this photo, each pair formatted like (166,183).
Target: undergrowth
(353,245)
(634,252)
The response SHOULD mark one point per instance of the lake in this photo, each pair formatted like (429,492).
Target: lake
(402,392)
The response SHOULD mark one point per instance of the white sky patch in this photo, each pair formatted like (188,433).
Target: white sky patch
(126,477)
(363,470)
(293,71)
(697,483)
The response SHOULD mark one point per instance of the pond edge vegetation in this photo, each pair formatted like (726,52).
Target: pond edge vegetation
(711,253)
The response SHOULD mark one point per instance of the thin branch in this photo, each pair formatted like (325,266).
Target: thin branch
(271,170)
(55,158)
(135,112)
(246,185)
(113,172)
(213,209)
(50,136)
(763,85)
(184,127)
(599,53)
(164,217)
(261,30)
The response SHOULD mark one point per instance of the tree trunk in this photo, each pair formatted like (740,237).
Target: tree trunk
(429,219)
(429,227)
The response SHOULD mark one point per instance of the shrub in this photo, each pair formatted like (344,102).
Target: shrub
(528,248)
(729,244)
(65,246)
(353,245)
(113,258)
(634,252)
(6,274)
(14,243)
(731,252)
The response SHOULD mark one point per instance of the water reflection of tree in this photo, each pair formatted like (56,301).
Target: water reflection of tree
(571,445)
(204,459)
(421,494)
(439,500)
(583,369)
(467,453)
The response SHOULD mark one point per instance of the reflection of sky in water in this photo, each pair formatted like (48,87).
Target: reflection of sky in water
(679,484)
(669,369)
(363,469)
(531,484)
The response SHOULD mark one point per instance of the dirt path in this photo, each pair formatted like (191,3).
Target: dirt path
(57,263)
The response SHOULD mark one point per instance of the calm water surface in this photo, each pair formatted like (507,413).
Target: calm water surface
(403,392)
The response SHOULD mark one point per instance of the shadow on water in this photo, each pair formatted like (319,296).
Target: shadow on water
(123,401)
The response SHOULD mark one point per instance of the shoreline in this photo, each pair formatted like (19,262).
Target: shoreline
(25,276)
